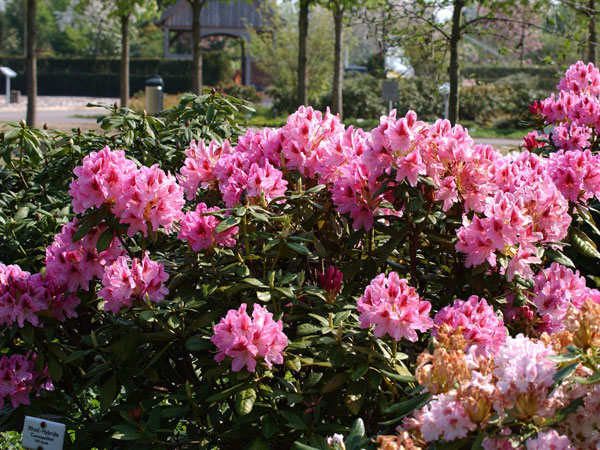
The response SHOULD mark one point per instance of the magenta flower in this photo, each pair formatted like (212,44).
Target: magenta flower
(153,199)
(21,296)
(481,326)
(18,379)
(331,282)
(101,178)
(265,182)
(124,285)
(198,228)
(75,264)
(246,339)
(394,308)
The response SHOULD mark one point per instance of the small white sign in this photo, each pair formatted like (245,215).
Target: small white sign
(41,434)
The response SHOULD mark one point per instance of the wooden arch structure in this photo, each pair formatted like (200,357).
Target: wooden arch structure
(218,18)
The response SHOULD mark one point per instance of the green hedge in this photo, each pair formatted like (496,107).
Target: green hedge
(99,77)
(545,78)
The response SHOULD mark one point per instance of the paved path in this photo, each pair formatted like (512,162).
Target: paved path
(60,113)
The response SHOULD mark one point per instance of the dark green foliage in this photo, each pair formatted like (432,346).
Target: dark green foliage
(99,77)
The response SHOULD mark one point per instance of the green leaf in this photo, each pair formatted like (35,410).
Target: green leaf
(244,401)
(21,214)
(108,391)
(227,393)
(402,409)
(398,377)
(565,372)
(226,224)
(559,257)
(294,421)
(197,343)
(335,382)
(583,244)
(254,282)
(356,434)
(307,328)
(104,240)
(210,113)
(298,248)
(76,355)
(300,446)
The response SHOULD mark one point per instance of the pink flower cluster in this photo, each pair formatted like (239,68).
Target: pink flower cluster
(198,228)
(126,281)
(480,325)
(549,440)
(445,417)
(576,174)
(245,339)
(75,264)
(522,366)
(137,197)
(526,210)
(18,379)
(394,308)
(517,378)
(23,297)
(251,167)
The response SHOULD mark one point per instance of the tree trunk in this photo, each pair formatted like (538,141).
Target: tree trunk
(592,32)
(124,61)
(31,64)
(453,69)
(302,98)
(196,47)
(338,68)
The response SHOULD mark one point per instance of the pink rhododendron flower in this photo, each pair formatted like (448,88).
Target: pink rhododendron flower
(18,379)
(445,417)
(306,136)
(153,198)
(530,142)
(197,170)
(265,182)
(576,174)
(581,78)
(245,339)
(21,296)
(126,281)
(75,264)
(394,308)
(198,229)
(557,289)
(101,178)
(523,366)
(481,327)
(549,440)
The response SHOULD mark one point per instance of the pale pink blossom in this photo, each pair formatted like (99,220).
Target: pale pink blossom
(549,440)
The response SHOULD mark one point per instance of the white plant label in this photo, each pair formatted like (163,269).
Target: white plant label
(42,434)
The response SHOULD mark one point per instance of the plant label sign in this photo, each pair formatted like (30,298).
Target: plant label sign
(41,434)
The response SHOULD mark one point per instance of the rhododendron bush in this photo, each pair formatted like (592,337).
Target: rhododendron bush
(313,286)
